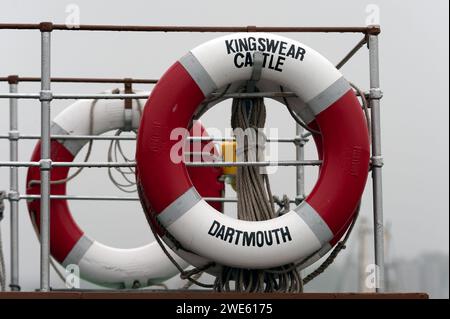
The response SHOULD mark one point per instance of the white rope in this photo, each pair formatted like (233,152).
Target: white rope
(117,154)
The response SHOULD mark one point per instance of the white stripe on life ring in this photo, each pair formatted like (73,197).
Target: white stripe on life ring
(311,78)
(298,232)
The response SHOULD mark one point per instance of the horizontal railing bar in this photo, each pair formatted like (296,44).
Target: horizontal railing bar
(135,96)
(81,197)
(203,155)
(246,95)
(120,198)
(74,137)
(101,96)
(57,96)
(260,164)
(121,96)
(69,164)
(231,200)
(144,28)
(19,164)
(196,164)
(17,79)
(132,138)
(231,139)
(19,95)
(93,164)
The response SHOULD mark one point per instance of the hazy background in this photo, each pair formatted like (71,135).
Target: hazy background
(414,78)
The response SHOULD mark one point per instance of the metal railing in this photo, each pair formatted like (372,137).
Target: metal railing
(370,37)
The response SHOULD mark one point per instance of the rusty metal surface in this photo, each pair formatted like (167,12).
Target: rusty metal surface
(17,79)
(202,295)
(48,26)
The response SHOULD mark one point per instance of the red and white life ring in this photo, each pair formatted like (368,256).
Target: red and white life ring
(325,101)
(99,263)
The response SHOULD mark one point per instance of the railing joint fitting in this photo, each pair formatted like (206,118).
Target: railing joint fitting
(13,79)
(46,26)
(13,135)
(375,94)
(300,141)
(45,164)
(377,161)
(45,96)
(13,196)
(374,29)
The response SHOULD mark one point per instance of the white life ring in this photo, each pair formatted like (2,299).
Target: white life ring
(98,263)
(325,101)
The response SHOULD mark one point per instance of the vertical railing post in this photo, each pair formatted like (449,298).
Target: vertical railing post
(14,184)
(300,169)
(45,163)
(377,160)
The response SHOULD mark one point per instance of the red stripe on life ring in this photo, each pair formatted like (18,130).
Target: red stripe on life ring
(64,231)
(346,153)
(205,179)
(318,142)
(154,145)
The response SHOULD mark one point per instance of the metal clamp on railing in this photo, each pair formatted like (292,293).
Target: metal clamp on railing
(377,161)
(375,94)
(300,140)
(13,196)
(45,95)
(128,105)
(13,135)
(45,164)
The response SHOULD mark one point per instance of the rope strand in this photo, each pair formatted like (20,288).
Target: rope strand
(255,201)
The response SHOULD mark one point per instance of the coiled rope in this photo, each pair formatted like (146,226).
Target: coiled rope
(255,201)
(117,154)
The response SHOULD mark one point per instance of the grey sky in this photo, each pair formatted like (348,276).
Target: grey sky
(414,78)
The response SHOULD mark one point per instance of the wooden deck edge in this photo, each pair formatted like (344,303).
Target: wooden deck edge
(202,295)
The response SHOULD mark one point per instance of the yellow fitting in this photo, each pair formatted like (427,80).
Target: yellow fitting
(229,155)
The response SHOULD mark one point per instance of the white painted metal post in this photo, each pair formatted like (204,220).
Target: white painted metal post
(377,160)
(45,163)
(300,170)
(14,185)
